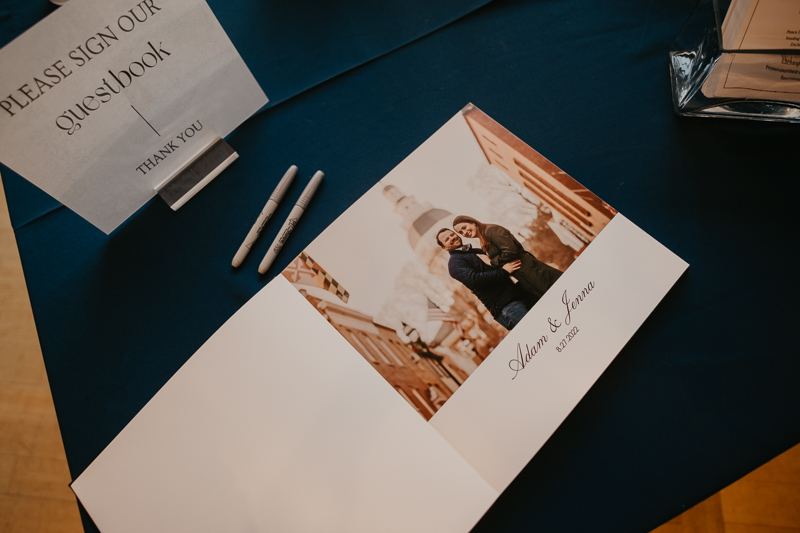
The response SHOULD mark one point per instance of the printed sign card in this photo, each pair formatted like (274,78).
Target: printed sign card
(759,25)
(762,25)
(102,101)
(406,366)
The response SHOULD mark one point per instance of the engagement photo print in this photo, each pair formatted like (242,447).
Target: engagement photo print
(427,273)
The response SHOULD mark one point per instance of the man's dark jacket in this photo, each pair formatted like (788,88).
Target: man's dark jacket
(491,285)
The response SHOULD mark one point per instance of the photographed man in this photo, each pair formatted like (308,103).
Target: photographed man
(493,286)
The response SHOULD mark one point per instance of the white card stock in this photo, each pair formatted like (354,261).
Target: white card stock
(383,382)
(102,101)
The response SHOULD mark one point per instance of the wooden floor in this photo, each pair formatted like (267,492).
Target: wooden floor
(766,500)
(35,498)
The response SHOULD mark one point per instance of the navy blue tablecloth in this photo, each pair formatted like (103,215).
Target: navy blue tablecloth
(706,390)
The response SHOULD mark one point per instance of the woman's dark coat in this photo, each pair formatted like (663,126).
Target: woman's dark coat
(491,285)
(534,276)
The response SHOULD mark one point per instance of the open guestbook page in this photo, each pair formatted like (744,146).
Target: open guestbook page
(368,387)
(103,101)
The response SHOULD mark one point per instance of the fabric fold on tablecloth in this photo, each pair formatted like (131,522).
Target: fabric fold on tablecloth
(292,47)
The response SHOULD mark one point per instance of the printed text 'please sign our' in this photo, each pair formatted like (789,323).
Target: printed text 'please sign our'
(28,91)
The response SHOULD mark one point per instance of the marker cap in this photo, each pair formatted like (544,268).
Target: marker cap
(310,189)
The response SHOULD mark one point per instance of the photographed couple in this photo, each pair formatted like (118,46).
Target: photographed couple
(487,271)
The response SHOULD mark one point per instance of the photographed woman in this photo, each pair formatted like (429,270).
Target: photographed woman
(502,247)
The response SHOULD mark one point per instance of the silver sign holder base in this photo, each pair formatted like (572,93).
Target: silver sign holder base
(197,173)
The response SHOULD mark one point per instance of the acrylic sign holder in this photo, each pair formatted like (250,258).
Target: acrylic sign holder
(701,48)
